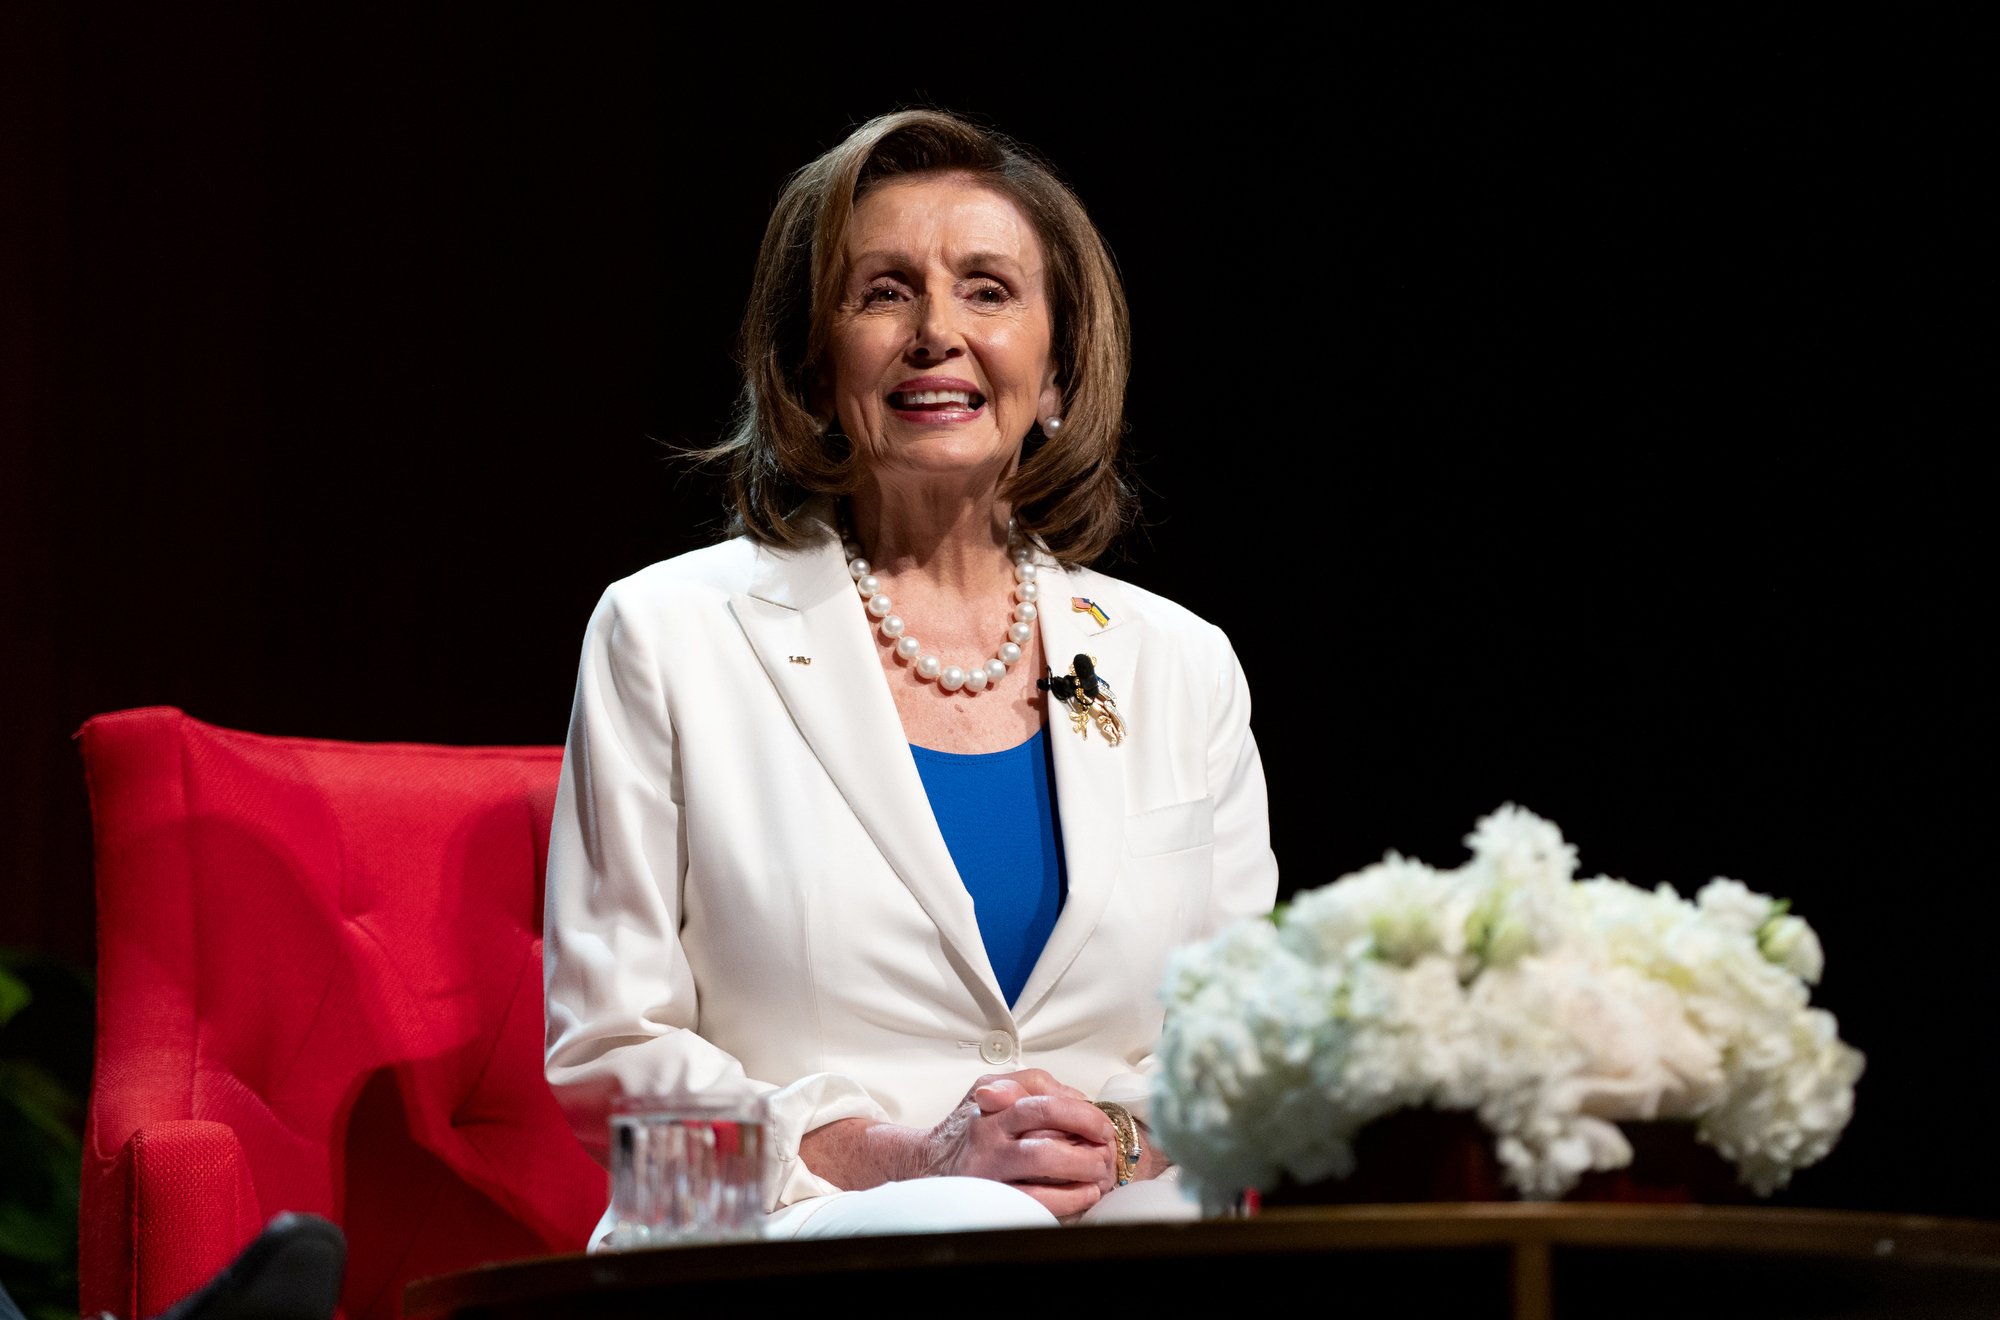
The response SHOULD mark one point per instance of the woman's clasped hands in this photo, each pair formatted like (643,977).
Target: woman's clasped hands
(1030,1131)
(1025,1129)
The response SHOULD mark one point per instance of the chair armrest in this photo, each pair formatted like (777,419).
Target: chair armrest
(171,1210)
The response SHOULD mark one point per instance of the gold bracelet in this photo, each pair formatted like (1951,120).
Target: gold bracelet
(1128,1139)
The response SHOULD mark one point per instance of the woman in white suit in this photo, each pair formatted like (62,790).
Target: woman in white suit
(889,808)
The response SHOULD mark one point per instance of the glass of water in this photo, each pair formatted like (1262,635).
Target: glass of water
(687,1168)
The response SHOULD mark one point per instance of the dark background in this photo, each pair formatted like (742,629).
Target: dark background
(1584,421)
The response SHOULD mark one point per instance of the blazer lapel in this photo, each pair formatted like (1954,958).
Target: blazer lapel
(1089,773)
(803,603)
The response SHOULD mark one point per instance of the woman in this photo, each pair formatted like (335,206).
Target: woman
(888,807)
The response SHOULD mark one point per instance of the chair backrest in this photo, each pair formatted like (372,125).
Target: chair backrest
(334,949)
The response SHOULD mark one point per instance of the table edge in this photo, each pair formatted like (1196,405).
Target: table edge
(1740,1229)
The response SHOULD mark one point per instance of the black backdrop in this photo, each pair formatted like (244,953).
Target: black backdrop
(1581,422)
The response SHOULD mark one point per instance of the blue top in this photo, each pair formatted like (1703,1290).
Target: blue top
(998,817)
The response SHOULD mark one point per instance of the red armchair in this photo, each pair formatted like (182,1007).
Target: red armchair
(320,989)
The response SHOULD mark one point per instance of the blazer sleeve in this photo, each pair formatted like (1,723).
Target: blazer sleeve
(1244,880)
(1246,871)
(622,1006)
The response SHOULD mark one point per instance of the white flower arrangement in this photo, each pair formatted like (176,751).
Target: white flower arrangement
(1552,1008)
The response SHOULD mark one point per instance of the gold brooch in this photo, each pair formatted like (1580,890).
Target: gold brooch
(1088,698)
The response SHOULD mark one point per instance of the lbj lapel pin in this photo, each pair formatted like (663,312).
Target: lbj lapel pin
(1088,698)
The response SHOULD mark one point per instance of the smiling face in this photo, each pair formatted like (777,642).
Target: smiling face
(940,354)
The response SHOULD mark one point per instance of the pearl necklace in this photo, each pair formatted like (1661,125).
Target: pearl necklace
(952,678)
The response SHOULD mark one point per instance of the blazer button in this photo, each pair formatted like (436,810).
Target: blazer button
(997,1047)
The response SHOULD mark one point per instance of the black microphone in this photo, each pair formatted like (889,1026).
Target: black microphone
(1086,676)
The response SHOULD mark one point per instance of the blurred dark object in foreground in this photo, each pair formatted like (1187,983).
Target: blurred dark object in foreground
(290,1271)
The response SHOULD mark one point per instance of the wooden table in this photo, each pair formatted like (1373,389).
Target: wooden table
(1501,1259)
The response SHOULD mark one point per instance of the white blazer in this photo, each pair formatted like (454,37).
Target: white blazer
(747,887)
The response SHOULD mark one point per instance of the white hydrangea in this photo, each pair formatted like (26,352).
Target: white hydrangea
(1789,942)
(1732,905)
(1788,1098)
(1522,848)
(1396,910)
(1553,1008)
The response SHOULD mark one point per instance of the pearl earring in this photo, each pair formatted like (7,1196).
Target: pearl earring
(1052,425)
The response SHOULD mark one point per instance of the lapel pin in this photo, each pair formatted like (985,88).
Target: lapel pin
(1085,605)
(1088,698)
(800,659)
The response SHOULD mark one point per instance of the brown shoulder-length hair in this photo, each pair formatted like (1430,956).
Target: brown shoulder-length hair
(1070,490)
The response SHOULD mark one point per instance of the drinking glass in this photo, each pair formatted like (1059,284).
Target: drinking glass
(687,1168)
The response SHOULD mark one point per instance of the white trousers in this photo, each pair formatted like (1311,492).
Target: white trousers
(952,1205)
